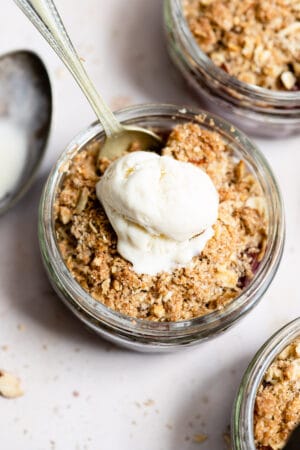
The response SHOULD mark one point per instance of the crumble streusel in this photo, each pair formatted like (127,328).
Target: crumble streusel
(214,278)
(277,407)
(257,41)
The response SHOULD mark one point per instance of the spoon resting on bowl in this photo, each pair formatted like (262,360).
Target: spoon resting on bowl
(119,138)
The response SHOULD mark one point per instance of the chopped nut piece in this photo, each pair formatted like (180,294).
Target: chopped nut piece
(158,311)
(82,201)
(105,286)
(200,438)
(65,214)
(288,80)
(240,170)
(9,385)
(228,278)
(149,402)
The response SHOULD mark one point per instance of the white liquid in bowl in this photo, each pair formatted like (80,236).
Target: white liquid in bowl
(13,149)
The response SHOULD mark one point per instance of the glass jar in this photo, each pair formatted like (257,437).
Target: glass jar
(143,334)
(242,430)
(257,110)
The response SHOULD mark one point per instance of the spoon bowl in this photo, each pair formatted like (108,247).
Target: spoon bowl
(25,101)
(131,137)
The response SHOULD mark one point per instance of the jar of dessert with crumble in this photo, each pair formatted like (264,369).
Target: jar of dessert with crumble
(242,58)
(173,308)
(267,406)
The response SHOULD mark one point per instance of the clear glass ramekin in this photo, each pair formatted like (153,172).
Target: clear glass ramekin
(142,334)
(242,429)
(257,110)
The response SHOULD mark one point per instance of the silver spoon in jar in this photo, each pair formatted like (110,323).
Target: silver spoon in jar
(44,15)
(25,119)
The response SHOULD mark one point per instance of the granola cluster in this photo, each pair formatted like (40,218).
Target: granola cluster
(213,279)
(277,408)
(257,41)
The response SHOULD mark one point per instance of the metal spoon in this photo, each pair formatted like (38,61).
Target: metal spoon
(44,15)
(26,101)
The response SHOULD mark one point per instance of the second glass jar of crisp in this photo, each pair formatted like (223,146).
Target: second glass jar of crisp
(255,109)
(242,430)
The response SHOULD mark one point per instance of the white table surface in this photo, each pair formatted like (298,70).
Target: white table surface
(82,393)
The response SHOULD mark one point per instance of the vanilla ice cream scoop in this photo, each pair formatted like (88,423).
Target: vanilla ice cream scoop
(161,209)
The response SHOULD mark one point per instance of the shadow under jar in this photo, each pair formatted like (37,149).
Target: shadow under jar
(260,111)
(140,334)
(242,430)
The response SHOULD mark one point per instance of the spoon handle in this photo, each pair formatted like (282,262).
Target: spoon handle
(45,17)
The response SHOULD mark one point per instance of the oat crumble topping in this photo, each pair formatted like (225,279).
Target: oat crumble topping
(88,243)
(277,407)
(257,41)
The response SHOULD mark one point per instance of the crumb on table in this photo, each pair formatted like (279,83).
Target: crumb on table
(10,385)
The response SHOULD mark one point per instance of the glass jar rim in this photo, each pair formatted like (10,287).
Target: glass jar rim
(242,429)
(98,311)
(258,93)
